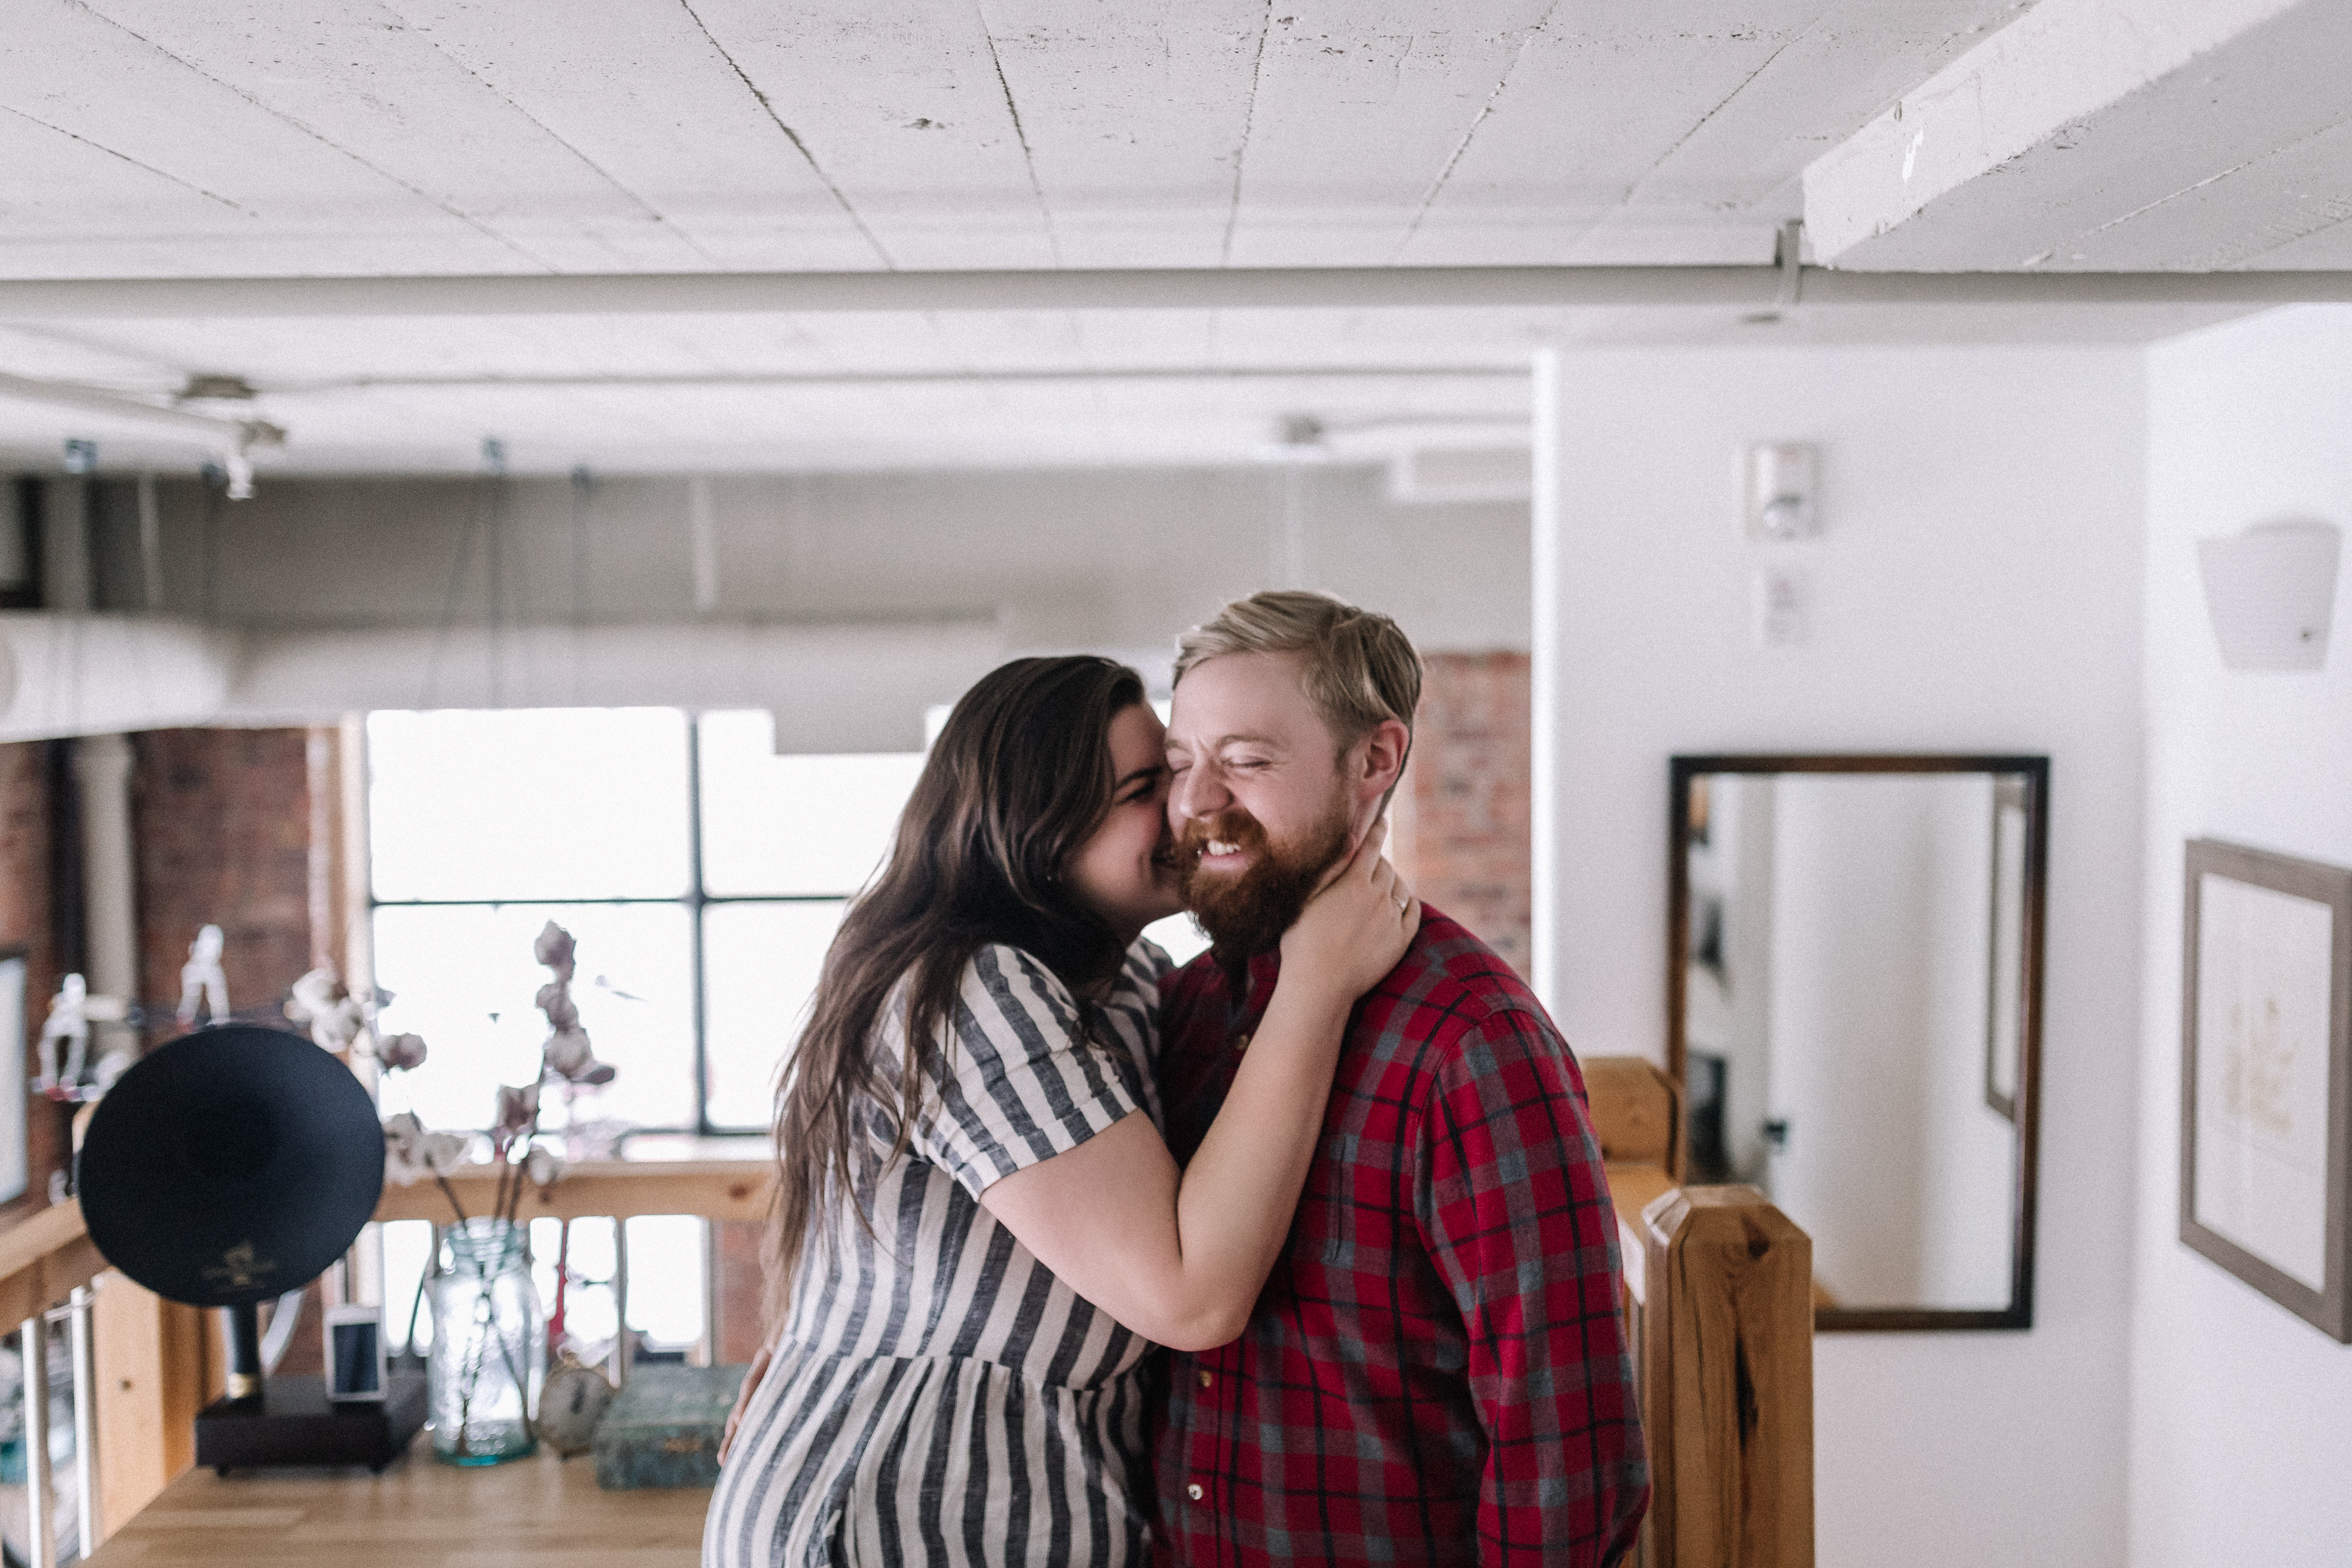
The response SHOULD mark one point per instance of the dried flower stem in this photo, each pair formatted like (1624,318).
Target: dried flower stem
(448,1192)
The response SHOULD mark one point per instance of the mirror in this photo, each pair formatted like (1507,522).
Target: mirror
(1854,980)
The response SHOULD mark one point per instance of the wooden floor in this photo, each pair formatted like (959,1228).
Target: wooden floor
(418,1514)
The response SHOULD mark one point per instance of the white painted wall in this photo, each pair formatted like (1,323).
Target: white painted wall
(1977,590)
(2242,1413)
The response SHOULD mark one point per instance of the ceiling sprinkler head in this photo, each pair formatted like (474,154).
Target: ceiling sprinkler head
(217,389)
(81,456)
(1301,430)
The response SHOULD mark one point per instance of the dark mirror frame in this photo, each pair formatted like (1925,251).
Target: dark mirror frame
(2027,1109)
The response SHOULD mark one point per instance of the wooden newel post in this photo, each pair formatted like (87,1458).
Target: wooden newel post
(1728,1379)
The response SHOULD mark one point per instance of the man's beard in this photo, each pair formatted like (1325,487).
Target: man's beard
(1246,913)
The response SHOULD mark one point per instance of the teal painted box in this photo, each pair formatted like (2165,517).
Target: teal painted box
(663,1428)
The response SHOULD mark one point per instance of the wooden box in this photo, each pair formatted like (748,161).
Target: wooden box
(663,1428)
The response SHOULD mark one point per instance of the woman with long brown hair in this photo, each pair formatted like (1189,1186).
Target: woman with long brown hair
(981,1234)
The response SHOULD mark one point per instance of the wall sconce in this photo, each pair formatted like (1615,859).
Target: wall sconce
(1782,481)
(2270,593)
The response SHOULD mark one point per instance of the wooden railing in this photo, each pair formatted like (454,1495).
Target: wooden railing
(47,1268)
(1719,1314)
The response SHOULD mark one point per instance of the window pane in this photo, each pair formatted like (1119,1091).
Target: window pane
(790,825)
(761,962)
(667,1269)
(528,803)
(463,977)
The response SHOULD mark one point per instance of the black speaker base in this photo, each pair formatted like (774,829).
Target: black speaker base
(292,1424)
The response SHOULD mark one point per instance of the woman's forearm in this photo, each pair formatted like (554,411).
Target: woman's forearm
(1179,1257)
(1235,1204)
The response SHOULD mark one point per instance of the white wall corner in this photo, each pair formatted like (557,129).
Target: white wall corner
(1544,789)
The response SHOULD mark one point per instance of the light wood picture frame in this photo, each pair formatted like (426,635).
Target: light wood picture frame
(2266,1075)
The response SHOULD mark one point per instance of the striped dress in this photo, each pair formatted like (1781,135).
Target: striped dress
(938,1398)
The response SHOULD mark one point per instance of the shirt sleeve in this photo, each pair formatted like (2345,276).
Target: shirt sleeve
(1018,1080)
(1516,1213)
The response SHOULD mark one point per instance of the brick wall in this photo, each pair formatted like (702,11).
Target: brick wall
(1461,819)
(26,923)
(222,818)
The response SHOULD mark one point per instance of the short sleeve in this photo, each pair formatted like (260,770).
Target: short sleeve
(1019,1081)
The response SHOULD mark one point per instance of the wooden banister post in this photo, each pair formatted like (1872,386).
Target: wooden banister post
(1728,1381)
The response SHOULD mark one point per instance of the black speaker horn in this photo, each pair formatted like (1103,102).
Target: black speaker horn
(227,1168)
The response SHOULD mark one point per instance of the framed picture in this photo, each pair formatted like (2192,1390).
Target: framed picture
(2266,1075)
(2005,1001)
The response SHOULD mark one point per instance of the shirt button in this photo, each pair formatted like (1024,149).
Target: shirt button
(1241,1044)
(1207,1378)
(1193,1492)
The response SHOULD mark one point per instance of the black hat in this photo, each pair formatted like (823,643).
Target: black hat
(231,1166)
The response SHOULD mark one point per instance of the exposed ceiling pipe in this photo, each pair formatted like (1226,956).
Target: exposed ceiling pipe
(233,439)
(1516,373)
(1140,288)
(217,431)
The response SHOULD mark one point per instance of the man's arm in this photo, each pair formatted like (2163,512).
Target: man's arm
(1515,1212)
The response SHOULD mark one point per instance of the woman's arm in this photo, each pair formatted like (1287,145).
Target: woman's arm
(1179,1257)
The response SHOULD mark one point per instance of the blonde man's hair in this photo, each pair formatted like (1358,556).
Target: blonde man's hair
(1358,667)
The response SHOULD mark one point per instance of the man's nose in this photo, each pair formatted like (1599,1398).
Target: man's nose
(1198,792)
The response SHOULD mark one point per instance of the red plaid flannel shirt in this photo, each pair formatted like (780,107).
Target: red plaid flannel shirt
(1436,1372)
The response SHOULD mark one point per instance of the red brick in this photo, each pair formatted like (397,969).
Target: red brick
(1463,831)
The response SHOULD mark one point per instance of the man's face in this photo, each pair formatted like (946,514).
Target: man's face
(1261,804)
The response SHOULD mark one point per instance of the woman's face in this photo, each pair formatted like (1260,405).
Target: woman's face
(1125,873)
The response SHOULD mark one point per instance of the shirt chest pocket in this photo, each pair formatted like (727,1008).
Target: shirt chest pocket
(1349,1217)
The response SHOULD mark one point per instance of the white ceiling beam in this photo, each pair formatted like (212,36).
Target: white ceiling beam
(2086,132)
(1209,289)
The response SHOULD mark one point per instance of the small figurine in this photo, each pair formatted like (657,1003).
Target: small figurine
(68,1021)
(71,1013)
(204,984)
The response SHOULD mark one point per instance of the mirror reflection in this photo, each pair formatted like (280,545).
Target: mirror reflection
(1855,1018)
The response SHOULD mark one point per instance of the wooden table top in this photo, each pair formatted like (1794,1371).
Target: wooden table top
(419,1513)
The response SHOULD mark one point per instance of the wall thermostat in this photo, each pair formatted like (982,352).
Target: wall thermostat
(1783,481)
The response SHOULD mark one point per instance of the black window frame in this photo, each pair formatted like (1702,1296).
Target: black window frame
(695,901)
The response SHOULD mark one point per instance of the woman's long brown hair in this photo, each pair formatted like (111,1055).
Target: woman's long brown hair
(1018,780)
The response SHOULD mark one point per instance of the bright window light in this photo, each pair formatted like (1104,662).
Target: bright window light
(1181,936)
(794,825)
(763,960)
(548,803)
(463,977)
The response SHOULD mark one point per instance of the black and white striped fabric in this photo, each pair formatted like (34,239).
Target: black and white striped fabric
(938,1397)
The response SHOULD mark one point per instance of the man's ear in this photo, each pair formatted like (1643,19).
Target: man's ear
(1381,759)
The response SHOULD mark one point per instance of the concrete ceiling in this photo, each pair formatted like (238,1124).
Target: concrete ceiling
(423,138)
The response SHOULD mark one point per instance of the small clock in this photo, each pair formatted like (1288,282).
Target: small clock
(571,1401)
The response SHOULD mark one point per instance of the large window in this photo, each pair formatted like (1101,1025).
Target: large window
(702,874)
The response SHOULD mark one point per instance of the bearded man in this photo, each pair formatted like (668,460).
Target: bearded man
(1436,1372)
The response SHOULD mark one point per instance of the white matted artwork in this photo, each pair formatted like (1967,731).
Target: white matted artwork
(12,1156)
(2266,1074)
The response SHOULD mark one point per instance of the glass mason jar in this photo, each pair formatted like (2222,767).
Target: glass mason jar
(489,1351)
